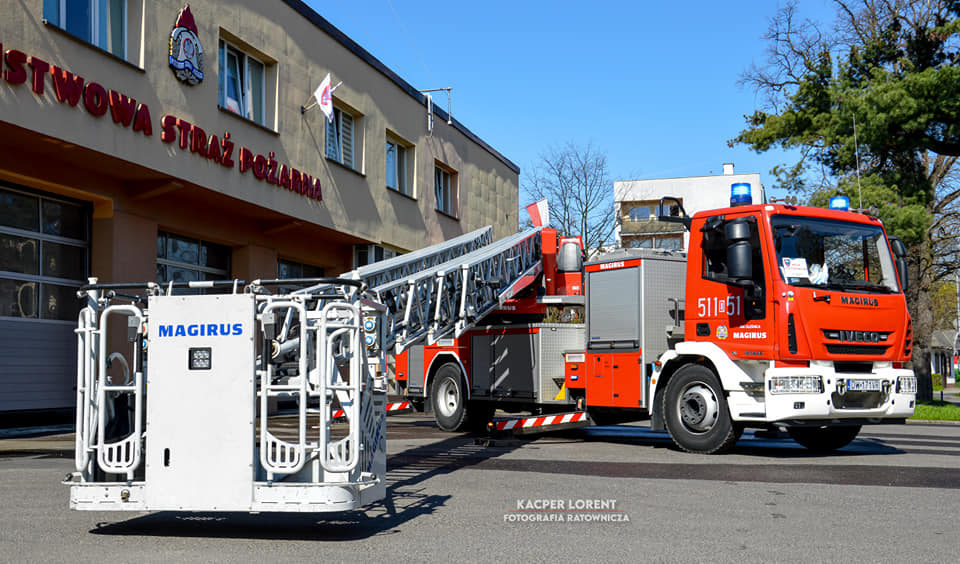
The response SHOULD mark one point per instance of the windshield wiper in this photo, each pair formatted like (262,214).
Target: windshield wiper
(859,286)
(846,286)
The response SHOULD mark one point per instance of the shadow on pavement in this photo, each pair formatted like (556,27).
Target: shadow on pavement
(751,443)
(405,501)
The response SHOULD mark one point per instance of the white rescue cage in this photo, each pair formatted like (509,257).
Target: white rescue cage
(224,401)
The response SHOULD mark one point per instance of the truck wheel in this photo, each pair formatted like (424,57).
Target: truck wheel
(695,411)
(824,439)
(448,399)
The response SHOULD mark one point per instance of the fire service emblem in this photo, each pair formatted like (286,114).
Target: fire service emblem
(186,53)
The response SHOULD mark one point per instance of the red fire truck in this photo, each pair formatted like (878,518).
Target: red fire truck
(778,316)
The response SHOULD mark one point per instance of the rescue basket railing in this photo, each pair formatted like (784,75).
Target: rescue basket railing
(276,455)
(109,431)
(339,346)
(331,368)
(121,456)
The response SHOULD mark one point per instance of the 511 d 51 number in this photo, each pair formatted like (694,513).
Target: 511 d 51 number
(714,306)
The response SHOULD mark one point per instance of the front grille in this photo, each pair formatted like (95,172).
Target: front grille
(857,349)
(852,336)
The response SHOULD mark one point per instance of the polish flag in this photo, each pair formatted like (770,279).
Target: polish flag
(324,96)
(539,213)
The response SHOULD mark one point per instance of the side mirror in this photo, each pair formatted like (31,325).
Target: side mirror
(739,253)
(672,210)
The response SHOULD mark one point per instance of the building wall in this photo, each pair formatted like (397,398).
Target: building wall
(697,193)
(150,174)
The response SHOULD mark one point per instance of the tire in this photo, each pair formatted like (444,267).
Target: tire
(695,412)
(824,439)
(448,399)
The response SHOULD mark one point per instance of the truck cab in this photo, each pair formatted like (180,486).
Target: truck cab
(796,317)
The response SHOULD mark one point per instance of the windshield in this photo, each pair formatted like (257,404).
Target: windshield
(833,254)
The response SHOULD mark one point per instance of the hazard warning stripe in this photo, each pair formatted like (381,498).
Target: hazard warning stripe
(541,421)
(398,406)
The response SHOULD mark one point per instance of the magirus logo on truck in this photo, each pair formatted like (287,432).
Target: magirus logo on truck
(200,330)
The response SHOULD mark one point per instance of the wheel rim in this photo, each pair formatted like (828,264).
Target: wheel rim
(698,407)
(448,397)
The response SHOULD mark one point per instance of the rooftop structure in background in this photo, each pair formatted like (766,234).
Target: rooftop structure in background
(636,203)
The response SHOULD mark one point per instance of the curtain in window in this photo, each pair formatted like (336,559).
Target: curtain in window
(392,165)
(333,137)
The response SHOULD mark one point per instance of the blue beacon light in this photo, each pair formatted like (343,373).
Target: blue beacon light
(740,194)
(841,203)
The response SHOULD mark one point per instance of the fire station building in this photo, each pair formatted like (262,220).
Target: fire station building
(151,140)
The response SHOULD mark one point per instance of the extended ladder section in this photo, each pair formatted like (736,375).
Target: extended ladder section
(404,266)
(450,297)
(445,288)
(186,414)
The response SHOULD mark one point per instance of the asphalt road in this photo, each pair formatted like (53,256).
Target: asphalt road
(612,494)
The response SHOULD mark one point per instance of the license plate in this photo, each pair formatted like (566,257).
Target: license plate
(862,385)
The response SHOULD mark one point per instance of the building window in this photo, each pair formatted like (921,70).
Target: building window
(640,213)
(98,22)
(341,136)
(444,186)
(291,269)
(647,210)
(398,166)
(369,254)
(44,246)
(662,242)
(184,259)
(242,87)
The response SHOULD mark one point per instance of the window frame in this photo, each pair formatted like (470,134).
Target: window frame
(337,128)
(224,273)
(634,241)
(40,279)
(225,49)
(299,266)
(403,183)
(634,213)
(281,262)
(445,182)
(55,12)
(379,252)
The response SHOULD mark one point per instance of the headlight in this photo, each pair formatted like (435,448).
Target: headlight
(796,385)
(907,385)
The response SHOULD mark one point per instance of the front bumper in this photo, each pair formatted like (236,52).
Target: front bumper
(819,393)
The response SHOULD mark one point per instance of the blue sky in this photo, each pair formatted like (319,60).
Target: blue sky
(651,84)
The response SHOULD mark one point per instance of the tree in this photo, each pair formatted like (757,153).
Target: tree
(873,104)
(575,181)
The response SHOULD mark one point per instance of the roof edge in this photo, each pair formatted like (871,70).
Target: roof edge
(316,19)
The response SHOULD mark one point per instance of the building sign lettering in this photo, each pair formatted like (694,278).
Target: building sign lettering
(16,67)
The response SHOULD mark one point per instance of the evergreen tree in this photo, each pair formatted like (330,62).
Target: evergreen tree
(873,104)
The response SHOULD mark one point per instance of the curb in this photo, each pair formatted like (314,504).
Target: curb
(931,422)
